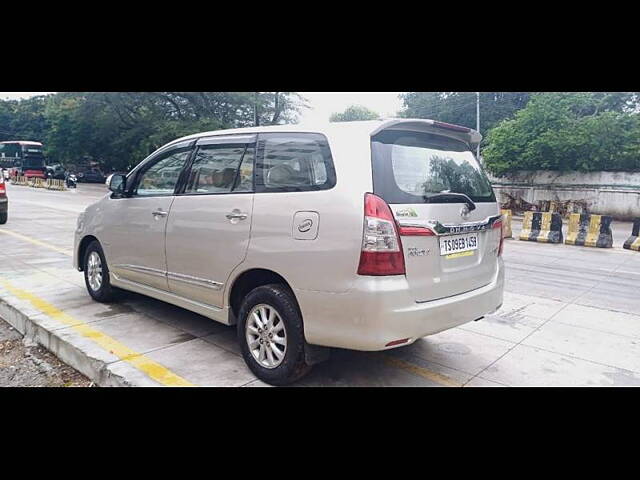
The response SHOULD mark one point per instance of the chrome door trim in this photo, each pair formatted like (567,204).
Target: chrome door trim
(141,269)
(227,139)
(211,311)
(191,280)
(454,229)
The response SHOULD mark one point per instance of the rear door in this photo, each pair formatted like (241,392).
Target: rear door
(416,173)
(210,223)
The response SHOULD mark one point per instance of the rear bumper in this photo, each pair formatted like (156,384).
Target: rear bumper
(380,310)
(4,204)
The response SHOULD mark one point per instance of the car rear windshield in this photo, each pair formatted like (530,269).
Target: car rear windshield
(412,167)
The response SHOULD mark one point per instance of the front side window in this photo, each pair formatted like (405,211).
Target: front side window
(162,177)
(294,162)
(221,169)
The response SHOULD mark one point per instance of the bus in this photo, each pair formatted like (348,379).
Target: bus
(23,159)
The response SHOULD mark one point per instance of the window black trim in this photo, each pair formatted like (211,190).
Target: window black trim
(145,165)
(258,169)
(187,170)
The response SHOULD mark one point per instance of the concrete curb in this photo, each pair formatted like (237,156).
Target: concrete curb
(62,345)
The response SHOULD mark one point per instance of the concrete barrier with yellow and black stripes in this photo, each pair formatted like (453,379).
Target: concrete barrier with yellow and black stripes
(545,227)
(506,224)
(633,242)
(55,184)
(590,230)
(38,183)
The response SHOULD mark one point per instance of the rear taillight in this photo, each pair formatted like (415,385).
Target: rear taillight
(499,225)
(3,189)
(381,252)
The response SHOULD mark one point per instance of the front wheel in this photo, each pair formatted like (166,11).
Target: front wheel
(96,274)
(271,335)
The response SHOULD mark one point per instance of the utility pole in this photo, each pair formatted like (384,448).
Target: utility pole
(478,121)
(256,122)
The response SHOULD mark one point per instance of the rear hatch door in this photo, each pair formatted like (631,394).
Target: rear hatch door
(433,181)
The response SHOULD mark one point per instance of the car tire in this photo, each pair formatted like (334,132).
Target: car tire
(96,274)
(3,217)
(274,354)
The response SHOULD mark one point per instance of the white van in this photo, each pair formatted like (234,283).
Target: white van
(359,235)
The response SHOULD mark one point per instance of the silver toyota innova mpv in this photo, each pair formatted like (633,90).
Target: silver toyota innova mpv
(358,235)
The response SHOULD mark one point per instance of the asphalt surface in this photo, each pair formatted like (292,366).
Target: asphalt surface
(571,316)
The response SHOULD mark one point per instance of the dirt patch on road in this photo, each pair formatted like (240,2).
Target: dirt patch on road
(23,366)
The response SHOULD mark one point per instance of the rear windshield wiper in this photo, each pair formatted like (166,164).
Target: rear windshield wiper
(461,196)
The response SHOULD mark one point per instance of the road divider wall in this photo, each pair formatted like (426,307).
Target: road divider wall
(49,183)
(544,227)
(633,242)
(53,184)
(590,230)
(38,183)
(19,181)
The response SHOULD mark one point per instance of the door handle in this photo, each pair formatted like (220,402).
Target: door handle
(237,215)
(159,213)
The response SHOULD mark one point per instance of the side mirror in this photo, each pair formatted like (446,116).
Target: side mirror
(117,183)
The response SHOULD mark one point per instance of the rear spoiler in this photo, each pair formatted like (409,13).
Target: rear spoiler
(467,135)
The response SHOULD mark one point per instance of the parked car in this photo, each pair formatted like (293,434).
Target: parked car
(4,201)
(360,235)
(55,171)
(92,175)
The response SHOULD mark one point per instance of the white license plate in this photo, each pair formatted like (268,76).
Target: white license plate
(458,243)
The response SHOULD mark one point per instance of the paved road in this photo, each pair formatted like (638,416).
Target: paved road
(571,317)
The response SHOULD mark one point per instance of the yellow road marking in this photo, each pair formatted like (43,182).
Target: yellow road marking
(153,369)
(420,371)
(36,242)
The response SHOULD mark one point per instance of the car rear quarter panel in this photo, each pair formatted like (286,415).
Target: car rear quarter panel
(328,263)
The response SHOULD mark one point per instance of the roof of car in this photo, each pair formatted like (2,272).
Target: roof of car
(369,127)
(24,142)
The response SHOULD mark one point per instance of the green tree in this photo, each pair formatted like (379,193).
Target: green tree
(354,113)
(568,132)
(119,129)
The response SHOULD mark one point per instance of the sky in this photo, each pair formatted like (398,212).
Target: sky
(322,104)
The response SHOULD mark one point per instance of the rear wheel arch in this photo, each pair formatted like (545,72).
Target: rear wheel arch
(247,281)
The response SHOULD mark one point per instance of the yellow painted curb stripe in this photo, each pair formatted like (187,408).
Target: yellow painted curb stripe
(35,242)
(153,369)
(636,245)
(420,371)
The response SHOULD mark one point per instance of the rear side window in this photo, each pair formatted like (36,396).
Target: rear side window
(294,162)
(410,167)
(221,169)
